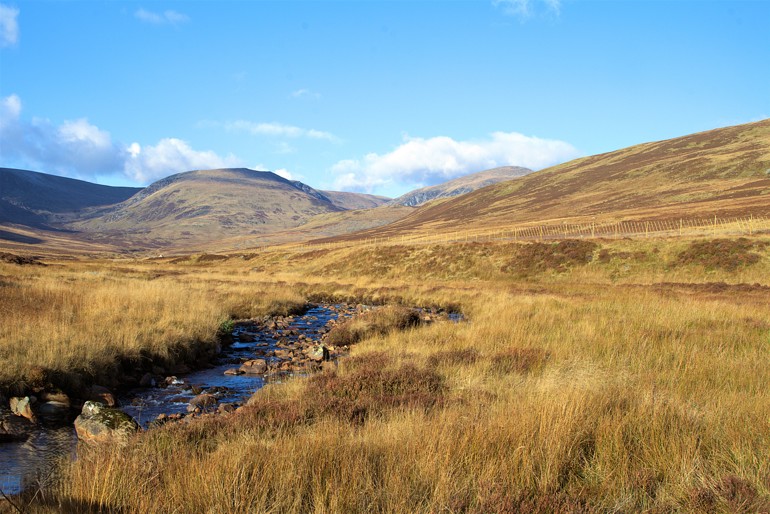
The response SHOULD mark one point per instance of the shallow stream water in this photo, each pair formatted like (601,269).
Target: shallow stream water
(29,464)
(146,404)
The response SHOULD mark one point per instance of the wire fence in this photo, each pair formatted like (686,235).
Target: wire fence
(693,227)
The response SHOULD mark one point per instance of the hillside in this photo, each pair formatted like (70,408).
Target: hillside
(723,172)
(460,186)
(205,205)
(37,199)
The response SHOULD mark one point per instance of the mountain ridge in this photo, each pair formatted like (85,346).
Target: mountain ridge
(461,185)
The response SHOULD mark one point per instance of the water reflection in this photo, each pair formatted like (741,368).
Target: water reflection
(30,464)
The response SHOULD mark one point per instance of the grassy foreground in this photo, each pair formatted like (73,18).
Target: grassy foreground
(624,376)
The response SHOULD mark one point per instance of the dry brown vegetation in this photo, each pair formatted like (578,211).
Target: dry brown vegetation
(630,381)
(374,322)
(722,253)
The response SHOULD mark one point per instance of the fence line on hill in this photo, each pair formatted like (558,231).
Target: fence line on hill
(694,227)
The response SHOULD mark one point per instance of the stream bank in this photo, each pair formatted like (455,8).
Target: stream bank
(258,351)
(274,347)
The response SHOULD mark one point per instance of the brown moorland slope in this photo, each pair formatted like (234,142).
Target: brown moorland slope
(724,172)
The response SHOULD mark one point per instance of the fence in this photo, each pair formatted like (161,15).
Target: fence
(703,227)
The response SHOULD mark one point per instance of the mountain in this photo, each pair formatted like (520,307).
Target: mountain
(724,172)
(206,205)
(460,186)
(39,200)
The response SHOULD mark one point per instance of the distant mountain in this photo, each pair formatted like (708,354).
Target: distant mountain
(37,199)
(723,172)
(460,186)
(205,205)
(344,200)
(355,201)
(186,210)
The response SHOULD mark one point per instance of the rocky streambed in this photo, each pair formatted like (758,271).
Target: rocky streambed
(36,432)
(263,350)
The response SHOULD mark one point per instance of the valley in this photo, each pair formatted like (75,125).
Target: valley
(617,370)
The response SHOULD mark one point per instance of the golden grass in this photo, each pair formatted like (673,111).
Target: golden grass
(632,383)
(84,317)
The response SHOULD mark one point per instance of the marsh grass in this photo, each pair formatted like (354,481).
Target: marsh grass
(593,389)
(62,325)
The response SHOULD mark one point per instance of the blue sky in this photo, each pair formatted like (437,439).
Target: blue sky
(369,96)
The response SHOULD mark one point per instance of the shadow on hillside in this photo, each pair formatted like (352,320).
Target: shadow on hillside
(19,238)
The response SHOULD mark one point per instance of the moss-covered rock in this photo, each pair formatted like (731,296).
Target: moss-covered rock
(100,424)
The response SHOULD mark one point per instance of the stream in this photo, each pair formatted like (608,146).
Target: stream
(29,464)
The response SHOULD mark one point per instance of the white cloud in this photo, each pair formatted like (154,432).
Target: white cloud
(79,149)
(10,109)
(527,8)
(276,130)
(419,162)
(283,172)
(305,93)
(167,17)
(76,147)
(9,26)
(169,156)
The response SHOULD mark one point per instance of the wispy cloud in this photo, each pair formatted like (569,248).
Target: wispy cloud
(527,8)
(9,26)
(274,130)
(79,149)
(305,93)
(420,162)
(167,17)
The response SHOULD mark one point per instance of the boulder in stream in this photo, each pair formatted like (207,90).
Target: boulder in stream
(22,406)
(254,366)
(318,353)
(100,424)
(203,401)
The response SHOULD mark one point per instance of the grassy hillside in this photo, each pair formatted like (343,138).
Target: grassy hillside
(201,206)
(326,225)
(38,199)
(722,172)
